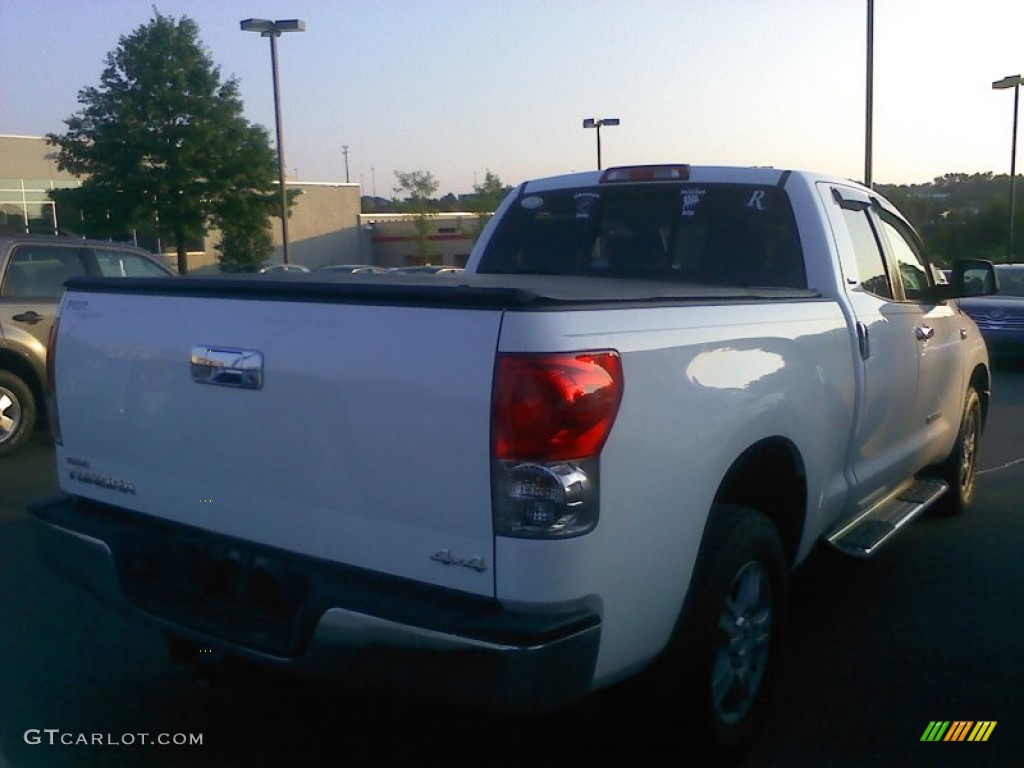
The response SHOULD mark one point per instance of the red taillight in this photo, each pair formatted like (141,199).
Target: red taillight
(554,407)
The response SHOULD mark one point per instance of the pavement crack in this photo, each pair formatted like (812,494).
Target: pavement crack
(1007,465)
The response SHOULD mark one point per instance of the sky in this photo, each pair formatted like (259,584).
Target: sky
(461,87)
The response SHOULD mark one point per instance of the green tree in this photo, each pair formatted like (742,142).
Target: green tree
(418,188)
(960,215)
(487,196)
(239,250)
(162,139)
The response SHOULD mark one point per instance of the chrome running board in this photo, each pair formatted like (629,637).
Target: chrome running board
(863,535)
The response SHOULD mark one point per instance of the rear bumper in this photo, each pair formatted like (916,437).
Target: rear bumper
(316,617)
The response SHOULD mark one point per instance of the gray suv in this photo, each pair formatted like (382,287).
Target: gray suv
(33,269)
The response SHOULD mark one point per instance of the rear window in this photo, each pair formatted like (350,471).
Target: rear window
(717,234)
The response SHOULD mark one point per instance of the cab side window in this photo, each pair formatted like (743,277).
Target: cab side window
(39,271)
(868,254)
(913,271)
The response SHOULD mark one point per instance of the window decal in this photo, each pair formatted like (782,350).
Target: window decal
(691,199)
(757,201)
(585,202)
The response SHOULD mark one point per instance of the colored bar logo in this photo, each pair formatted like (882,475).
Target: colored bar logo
(958,730)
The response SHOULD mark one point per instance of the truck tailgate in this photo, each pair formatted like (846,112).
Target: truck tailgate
(345,431)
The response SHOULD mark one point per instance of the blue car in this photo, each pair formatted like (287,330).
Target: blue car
(1000,318)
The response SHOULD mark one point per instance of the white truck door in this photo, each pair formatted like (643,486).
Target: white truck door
(940,392)
(886,437)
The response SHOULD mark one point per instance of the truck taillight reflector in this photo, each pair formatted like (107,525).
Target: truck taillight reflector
(646,173)
(555,407)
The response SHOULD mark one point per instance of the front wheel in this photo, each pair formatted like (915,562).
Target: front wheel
(17,412)
(729,639)
(961,468)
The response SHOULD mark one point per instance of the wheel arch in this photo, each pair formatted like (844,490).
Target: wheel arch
(770,477)
(981,380)
(15,363)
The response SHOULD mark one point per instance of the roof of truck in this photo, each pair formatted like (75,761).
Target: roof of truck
(686,173)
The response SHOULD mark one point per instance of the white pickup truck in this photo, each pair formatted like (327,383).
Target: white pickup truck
(605,444)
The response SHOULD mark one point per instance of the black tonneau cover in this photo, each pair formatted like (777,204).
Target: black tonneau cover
(458,290)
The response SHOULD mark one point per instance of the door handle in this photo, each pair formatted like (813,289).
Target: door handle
(31,317)
(924,332)
(227,367)
(863,341)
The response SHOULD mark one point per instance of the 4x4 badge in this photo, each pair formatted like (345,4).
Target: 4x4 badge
(445,557)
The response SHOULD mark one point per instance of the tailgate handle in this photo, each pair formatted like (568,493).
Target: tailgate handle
(228,367)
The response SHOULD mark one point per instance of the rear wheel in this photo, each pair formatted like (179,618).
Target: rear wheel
(960,469)
(17,412)
(729,639)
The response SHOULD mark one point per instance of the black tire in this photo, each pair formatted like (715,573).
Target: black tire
(729,638)
(960,469)
(17,412)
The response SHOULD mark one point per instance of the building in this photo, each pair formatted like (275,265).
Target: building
(390,238)
(326,225)
(28,171)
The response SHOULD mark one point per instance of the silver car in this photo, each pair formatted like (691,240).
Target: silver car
(277,269)
(33,269)
(354,269)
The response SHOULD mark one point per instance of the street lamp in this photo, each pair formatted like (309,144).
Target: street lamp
(273,30)
(869,94)
(1012,81)
(597,122)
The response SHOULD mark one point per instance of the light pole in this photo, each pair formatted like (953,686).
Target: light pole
(597,122)
(869,94)
(1012,81)
(273,30)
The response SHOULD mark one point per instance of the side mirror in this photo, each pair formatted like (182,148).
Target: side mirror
(969,277)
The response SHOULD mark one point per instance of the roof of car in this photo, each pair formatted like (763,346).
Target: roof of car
(6,239)
(341,267)
(284,268)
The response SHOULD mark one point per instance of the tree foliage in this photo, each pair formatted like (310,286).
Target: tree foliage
(243,250)
(162,139)
(963,215)
(487,196)
(418,188)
